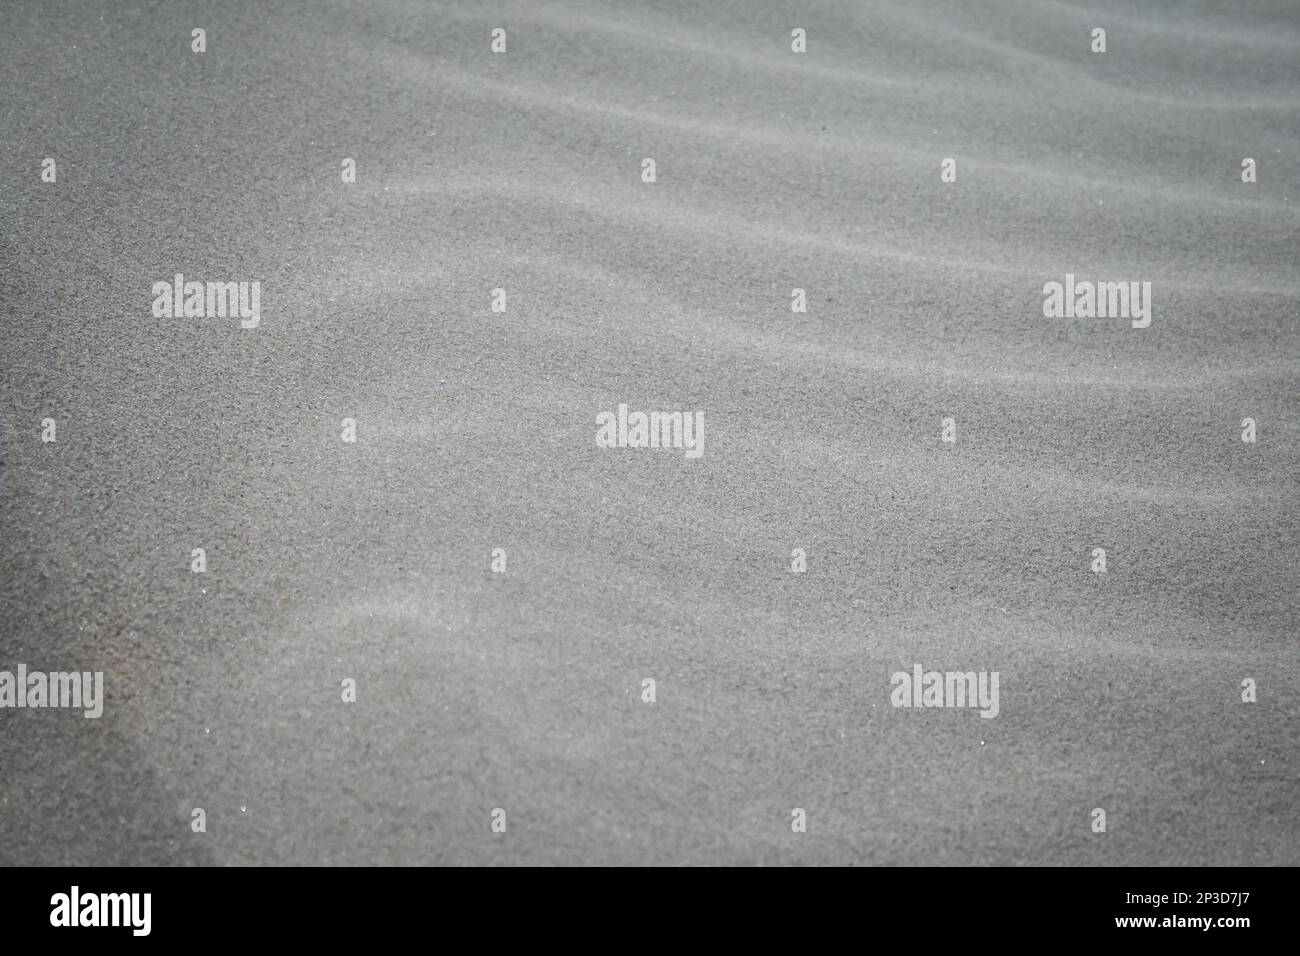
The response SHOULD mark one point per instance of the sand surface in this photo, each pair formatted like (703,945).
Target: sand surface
(522,690)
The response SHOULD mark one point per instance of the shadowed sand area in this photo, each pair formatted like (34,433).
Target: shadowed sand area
(774,170)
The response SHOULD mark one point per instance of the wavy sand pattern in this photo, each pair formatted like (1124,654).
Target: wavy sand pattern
(775,170)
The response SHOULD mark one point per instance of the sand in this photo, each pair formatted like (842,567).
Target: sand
(371,561)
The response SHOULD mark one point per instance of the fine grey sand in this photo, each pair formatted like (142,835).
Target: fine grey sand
(370,561)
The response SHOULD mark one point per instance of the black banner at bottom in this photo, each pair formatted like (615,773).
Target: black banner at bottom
(1223,907)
